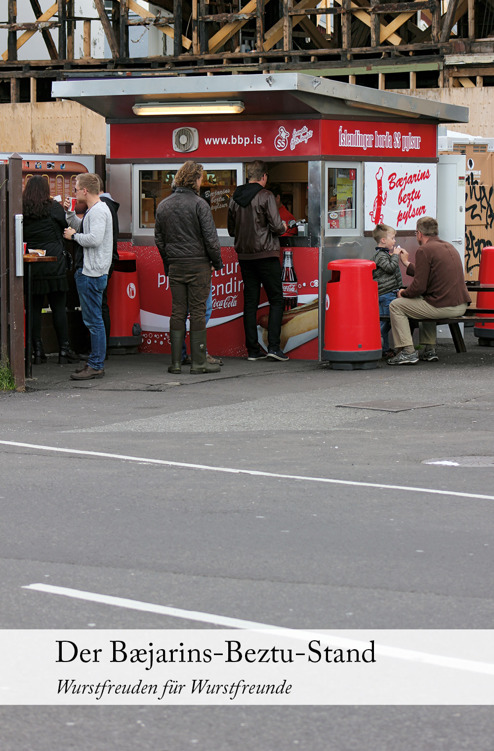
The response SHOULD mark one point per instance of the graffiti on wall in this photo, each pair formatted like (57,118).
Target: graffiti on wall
(479,211)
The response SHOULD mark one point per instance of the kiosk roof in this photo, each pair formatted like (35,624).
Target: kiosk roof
(264,95)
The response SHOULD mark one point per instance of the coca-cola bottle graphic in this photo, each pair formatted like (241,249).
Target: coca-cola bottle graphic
(289,281)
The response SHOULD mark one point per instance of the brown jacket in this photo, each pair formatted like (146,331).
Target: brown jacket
(437,275)
(254,221)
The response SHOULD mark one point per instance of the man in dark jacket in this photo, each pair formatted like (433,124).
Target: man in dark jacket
(188,243)
(438,291)
(254,221)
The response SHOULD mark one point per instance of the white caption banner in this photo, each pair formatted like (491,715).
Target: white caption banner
(272,666)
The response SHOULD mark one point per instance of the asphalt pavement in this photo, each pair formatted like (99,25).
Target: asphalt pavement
(285,494)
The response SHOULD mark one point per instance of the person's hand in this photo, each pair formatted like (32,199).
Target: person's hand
(404,257)
(66,204)
(397,250)
(285,226)
(398,294)
(69,233)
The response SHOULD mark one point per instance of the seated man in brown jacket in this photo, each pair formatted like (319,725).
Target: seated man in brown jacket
(437,291)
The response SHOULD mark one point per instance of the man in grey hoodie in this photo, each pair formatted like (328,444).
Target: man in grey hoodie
(96,241)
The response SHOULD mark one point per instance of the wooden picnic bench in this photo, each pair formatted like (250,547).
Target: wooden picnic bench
(472,315)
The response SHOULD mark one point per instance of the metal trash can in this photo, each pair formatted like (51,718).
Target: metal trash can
(352,332)
(124,304)
(485,331)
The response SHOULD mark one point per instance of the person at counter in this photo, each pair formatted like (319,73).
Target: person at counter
(284,213)
(438,291)
(187,241)
(96,240)
(44,223)
(255,223)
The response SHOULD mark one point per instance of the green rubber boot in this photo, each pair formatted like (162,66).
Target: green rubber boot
(198,352)
(176,341)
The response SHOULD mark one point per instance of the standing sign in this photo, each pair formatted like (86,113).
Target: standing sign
(399,193)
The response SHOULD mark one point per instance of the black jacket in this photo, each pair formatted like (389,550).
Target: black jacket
(185,232)
(254,221)
(113,206)
(46,233)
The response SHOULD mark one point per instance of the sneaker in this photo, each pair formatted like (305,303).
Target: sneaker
(259,355)
(87,374)
(277,354)
(404,358)
(429,355)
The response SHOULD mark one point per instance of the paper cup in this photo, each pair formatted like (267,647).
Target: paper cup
(25,248)
(73,203)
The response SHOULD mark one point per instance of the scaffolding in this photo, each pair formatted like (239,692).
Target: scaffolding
(439,43)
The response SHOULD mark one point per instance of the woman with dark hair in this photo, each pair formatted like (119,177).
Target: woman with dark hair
(44,223)
(188,244)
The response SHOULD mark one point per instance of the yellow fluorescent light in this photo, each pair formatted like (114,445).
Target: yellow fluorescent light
(188,108)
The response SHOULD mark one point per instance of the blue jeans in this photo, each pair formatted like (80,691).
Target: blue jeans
(209,310)
(90,289)
(384,301)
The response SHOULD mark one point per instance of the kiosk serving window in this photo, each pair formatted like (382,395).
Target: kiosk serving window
(343,196)
(153,183)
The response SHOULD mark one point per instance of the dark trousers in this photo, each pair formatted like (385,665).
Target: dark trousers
(190,285)
(265,271)
(57,302)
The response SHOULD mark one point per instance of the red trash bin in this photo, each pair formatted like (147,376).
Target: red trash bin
(485,331)
(352,332)
(124,304)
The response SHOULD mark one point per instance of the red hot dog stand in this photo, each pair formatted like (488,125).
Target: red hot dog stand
(346,157)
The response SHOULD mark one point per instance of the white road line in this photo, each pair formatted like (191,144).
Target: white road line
(455,663)
(251,472)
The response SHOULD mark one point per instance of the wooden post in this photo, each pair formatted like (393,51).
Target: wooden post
(177,39)
(70,25)
(260,25)
(16,283)
(123,29)
(62,32)
(4,318)
(375,26)
(346,28)
(203,40)
(14,90)
(12,35)
(287,26)
(471,19)
(86,38)
(195,27)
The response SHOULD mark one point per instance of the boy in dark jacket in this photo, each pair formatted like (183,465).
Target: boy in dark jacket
(387,275)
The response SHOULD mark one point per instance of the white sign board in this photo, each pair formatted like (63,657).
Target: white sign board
(399,193)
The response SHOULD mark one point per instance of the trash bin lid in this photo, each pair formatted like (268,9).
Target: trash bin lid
(126,255)
(351,263)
